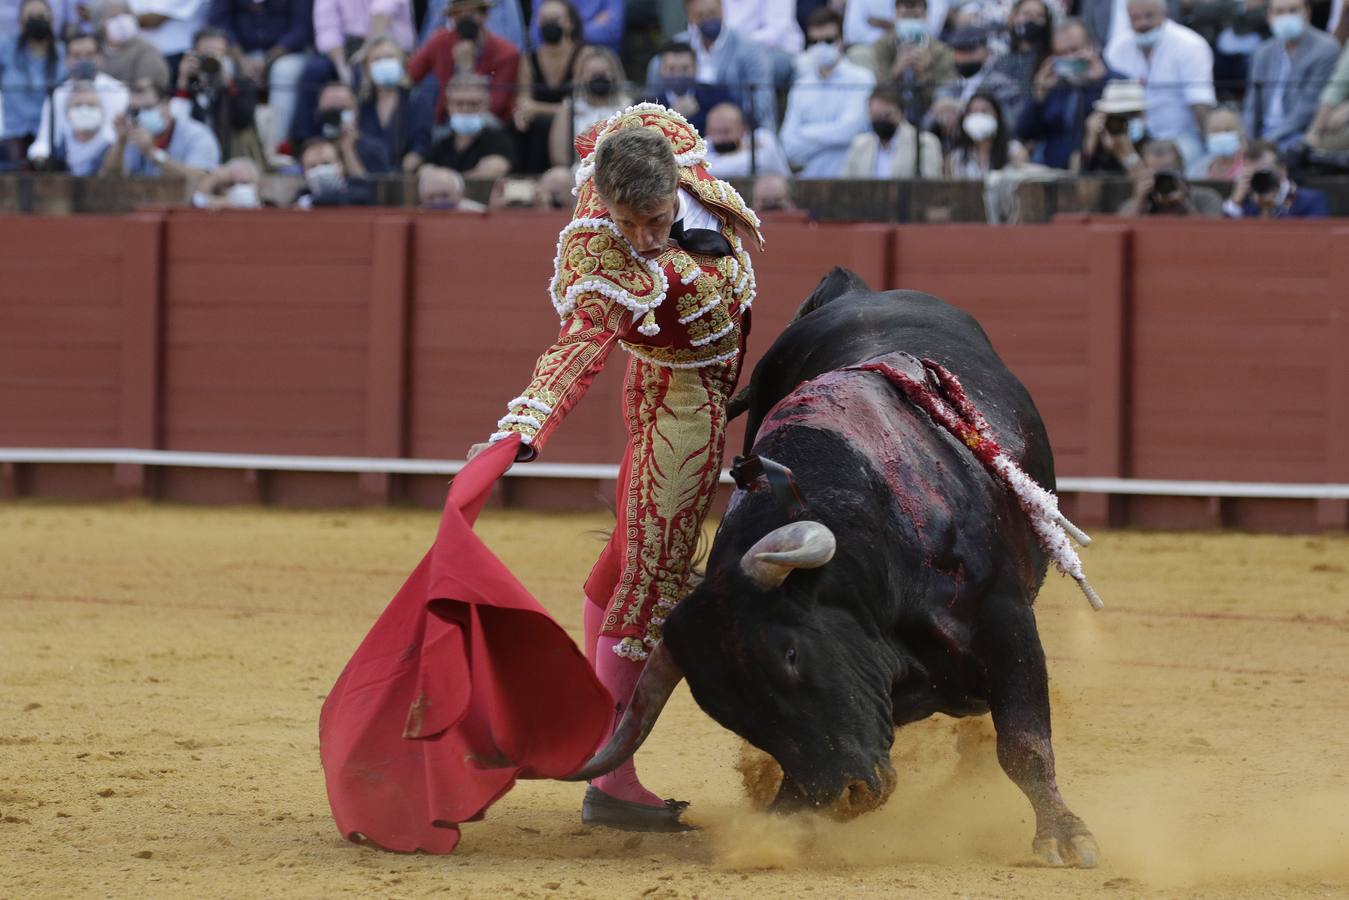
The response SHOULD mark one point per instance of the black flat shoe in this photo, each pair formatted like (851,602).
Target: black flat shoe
(599,808)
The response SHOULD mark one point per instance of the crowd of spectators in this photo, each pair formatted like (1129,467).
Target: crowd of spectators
(1167,92)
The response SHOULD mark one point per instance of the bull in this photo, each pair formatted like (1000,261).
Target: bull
(874,574)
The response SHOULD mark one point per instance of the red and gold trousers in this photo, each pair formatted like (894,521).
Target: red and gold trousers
(676,433)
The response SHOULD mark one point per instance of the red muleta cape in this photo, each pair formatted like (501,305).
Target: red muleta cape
(464,669)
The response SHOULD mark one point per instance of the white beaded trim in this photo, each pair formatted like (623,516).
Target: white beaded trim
(698,154)
(730,326)
(700,312)
(598,285)
(531,403)
(502,435)
(630,648)
(691,276)
(513,419)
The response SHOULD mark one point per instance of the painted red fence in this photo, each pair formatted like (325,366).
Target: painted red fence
(1161,350)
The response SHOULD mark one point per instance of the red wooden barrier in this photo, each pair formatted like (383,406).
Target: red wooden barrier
(1173,350)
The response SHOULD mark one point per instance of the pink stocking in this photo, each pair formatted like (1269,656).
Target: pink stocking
(593,617)
(619,675)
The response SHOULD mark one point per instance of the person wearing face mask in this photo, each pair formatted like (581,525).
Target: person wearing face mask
(911,61)
(82,62)
(474,143)
(1115,132)
(679,88)
(1161,190)
(545,77)
(598,93)
(1175,65)
(727,58)
(1028,30)
(827,106)
(215,93)
(729,154)
(234,185)
(975,73)
(1288,73)
(326,180)
(466,46)
(271,38)
(127,56)
(337,120)
(1066,86)
(1264,190)
(892,148)
(84,141)
(1224,145)
(29,68)
(389,112)
(505,19)
(151,141)
(983,145)
(602,23)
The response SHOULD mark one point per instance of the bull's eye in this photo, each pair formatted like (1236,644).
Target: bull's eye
(791,656)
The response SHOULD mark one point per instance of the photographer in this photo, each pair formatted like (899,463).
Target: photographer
(1073,77)
(1264,190)
(1161,190)
(151,141)
(912,61)
(337,120)
(1115,132)
(218,97)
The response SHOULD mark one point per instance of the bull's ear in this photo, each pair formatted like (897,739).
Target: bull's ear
(800,545)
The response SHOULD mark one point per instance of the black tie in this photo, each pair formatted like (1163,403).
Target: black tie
(703,241)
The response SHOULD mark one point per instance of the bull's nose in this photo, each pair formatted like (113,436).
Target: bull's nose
(862,795)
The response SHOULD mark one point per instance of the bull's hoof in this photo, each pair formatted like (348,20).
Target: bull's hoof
(599,808)
(1068,845)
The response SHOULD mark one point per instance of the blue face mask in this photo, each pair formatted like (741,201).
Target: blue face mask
(1148,39)
(911,31)
(152,120)
(1289,27)
(679,85)
(710,29)
(466,123)
(1137,129)
(386,72)
(1224,143)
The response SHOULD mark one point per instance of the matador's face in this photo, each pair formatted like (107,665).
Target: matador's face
(648,230)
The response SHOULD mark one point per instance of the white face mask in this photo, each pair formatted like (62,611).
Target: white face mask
(122,28)
(980,126)
(823,55)
(386,72)
(324,178)
(244,196)
(85,117)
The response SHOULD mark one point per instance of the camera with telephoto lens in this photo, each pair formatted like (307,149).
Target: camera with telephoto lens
(1263,181)
(1165,183)
(1116,124)
(329,123)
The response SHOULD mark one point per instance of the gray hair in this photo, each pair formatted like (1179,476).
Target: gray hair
(635,167)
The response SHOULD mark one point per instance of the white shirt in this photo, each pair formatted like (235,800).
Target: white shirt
(707,66)
(1120,26)
(856,29)
(694,215)
(770,22)
(824,114)
(1336,10)
(1178,75)
(112,92)
(185,19)
(768,158)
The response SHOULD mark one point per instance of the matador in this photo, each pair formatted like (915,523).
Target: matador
(655,260)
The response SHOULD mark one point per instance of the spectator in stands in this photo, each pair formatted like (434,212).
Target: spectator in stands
(1287,75)
(1066,86)
(327,182)
(1028,27)
(504,19)
(867,21)
(772,194)
(82,62)
(893,148)
(1116,129)
(170,25)
(127,56)
(234,185)
(943,120)
(725,57)
(443,189)
(729,154)
(912,61)
(1161,190)
(152,141)
(468,48)
(772,25)
(217,95)
(975,74)
(985,144)
(1330,129)
(84,133)
(1225,143)
(30,66)
(474,143)
(553,189)
(599,92)
(338,120)
(545,77)
(389,112)
(601,23)
(64,18)
(827,106)
(1175,66)
(680,89)
(1264,190)
(271,37)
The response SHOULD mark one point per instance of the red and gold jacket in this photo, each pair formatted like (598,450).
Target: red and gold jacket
(681,310)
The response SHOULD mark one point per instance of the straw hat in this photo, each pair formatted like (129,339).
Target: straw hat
(1121,97)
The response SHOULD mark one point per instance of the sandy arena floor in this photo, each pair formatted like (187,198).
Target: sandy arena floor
(161,671)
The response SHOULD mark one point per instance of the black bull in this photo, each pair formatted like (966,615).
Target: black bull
(903,588)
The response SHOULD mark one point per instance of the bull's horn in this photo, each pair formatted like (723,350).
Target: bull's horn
(800,545)
(659,677)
